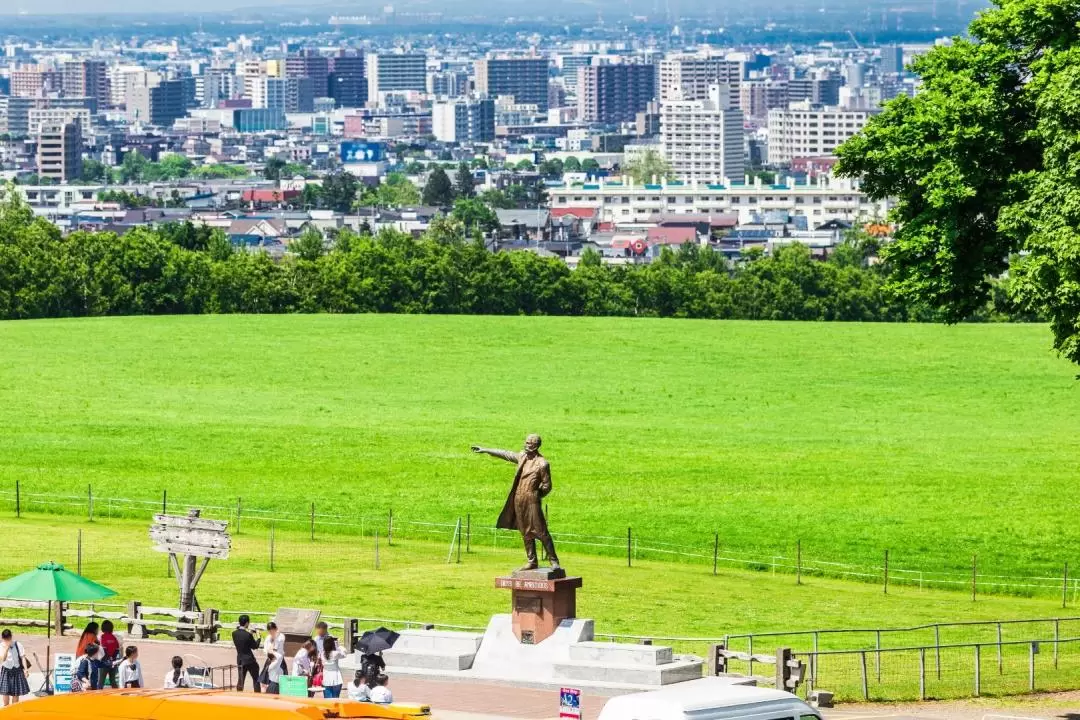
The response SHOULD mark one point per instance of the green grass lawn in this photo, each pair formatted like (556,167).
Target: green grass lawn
(934,442)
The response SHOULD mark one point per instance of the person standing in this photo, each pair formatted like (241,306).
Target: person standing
(13,667)
(274,647)
(131,669)
(246,645)
(302,662)
(321,628)
(89,635)
(110,656)
(331,674)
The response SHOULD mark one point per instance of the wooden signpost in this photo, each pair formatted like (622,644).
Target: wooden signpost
(194,538)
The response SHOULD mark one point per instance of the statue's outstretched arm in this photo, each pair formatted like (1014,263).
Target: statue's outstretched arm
(501,454)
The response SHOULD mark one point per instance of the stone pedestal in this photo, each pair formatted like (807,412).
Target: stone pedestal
(539,601)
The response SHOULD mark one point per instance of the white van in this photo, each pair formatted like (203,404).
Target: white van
(711,698)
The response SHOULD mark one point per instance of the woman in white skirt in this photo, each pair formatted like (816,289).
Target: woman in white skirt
(13,667)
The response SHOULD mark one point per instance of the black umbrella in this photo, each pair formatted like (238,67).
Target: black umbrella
(375,641)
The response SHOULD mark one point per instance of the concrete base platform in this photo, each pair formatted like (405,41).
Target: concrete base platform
(568,657)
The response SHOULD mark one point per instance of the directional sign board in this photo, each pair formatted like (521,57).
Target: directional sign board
(194,536)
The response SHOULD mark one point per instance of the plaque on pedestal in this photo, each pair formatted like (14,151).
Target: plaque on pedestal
(540,600)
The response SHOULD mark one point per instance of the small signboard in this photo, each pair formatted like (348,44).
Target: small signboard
(62,672)
(296,621)
(191,535)
(570,703)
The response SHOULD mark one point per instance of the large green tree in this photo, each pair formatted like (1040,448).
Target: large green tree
(649,167)
(984,164)
(438,191)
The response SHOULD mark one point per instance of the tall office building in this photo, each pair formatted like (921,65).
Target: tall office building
(525,79)
(703,139)
(154,100)
(690,77)
(291,95)
(464,121)
(311,65)
(448,84)
(892,59)
(614,93)
(218,84)
(347,83)
(59,156)
(758,97)
(34,81)
(15,112)
(808,130)
(87,78)
(395,72)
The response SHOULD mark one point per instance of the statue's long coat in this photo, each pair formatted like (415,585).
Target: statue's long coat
(532,482)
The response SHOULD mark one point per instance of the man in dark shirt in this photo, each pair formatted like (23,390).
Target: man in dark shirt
(246,664)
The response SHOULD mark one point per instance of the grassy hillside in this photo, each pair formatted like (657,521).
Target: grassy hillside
(935,442)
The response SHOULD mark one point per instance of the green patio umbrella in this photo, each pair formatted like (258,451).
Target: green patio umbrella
(50,583)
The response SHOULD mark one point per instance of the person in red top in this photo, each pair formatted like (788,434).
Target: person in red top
(89,635)
(110,650)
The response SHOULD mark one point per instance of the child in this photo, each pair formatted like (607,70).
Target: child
(13,667)
(131,669)
(110,656)
(177,677)
(85,676)
(358,689)
(381,693)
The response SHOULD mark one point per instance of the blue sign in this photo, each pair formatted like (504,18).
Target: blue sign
(360,152)
(570,703)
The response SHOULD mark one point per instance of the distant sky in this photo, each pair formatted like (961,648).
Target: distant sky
(56,7)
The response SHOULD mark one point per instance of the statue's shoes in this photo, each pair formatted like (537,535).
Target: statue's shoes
(528,566)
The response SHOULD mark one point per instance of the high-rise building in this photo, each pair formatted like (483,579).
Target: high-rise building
(35,81)
(311,65)
(568,67)
(525,79)
(15,112)
(87,78)
(347,83)
(394,72)
(59,156)
(614,93)
(704,139)
(464,121)
(689,77)
(892,59)
(448,84)
(758,97)
(299,95)
(808,130)
(154,100)
(218,84)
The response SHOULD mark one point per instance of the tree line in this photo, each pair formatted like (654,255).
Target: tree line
(186,269)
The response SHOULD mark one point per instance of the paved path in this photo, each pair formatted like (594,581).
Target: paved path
(458,700)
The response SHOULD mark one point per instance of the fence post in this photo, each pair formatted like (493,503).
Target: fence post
(978,672)
(165,502)
(1064,585)
(390,528)
(271,546)
(78,562)
(922,674)
(974,574)
(750,652)
(877,654)
(1001,667)
(937,650)
(629,563)
(376,549)
(312,522)
(468,533)
(459,541)
(715,551)
(886,571)
(1057,626)
(18,501)
(238,516)
(798,562)
(865,682)
(90,503)
(1031,666)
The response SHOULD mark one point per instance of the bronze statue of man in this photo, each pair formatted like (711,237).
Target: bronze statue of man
(523,511)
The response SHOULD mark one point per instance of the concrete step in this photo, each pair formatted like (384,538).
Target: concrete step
(620,654)
(427,660)
(655,676)
(439,641)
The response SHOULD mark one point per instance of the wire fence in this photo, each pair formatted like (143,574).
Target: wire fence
(317,520)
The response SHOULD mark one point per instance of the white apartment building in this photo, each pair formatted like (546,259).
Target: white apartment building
(689,77)
(622,203)
(805,130)
(60,116)
(703,139)
(265,91)
(464,121)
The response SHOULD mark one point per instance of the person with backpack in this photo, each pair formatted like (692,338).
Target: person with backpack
(110,656)
(85,676)
(13,668)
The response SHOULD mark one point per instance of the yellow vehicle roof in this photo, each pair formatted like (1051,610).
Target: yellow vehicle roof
(203,705)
